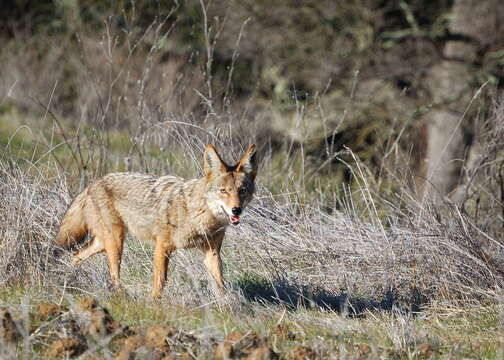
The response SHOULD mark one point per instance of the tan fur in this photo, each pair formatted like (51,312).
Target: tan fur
(173,212)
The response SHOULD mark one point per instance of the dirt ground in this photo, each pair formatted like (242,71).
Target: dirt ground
(81,329)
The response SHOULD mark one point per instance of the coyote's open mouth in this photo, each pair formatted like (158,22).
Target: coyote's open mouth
(233,219)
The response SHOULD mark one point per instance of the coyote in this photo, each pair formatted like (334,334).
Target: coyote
(173,212)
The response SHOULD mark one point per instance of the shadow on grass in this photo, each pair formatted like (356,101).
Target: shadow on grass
(291,295)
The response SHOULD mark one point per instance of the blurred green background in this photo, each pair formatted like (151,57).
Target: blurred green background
(404,87)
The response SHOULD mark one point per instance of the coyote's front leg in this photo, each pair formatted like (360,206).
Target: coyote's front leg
(213,263)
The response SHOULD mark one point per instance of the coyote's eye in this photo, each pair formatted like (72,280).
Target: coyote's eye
(222,191)
(242,191)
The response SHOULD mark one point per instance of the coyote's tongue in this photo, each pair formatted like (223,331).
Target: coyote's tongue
(234,219)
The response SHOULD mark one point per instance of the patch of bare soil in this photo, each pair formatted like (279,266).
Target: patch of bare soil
(68,333)
(67,347)
(9,332)
(159,342)
(86,327)
(302,353)
(95,319)
(262,353)
(238,345)
(48,311)
(282,333)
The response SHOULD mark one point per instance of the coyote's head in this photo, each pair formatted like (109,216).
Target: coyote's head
(230,188)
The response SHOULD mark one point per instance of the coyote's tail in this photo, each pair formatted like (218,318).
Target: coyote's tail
(73,228)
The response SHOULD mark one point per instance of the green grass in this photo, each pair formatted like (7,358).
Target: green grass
(33,138)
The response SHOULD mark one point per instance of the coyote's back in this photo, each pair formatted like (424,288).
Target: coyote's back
(173,212)
(120,199)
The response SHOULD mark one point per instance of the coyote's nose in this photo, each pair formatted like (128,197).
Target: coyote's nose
(236,211)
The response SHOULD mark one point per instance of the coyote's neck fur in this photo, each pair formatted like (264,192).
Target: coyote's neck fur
(190,212)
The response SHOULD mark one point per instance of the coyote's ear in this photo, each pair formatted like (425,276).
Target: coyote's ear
(212,161)
(248,162)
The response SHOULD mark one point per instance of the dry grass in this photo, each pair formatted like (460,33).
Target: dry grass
(284,251)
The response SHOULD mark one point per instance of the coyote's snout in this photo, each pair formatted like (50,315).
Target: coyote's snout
(173,212)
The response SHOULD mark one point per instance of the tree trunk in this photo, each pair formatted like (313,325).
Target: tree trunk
(475,25)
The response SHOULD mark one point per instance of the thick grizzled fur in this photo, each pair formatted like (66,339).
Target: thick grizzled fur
(173,212)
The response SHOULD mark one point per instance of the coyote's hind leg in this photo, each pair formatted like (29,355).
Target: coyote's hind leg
(109,241)
(114,248)
(93,248)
